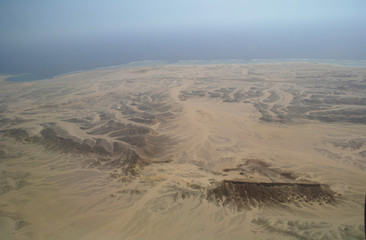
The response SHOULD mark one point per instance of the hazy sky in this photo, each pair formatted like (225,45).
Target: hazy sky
(133,30)
(37,20)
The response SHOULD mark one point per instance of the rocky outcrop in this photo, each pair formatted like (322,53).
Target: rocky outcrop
(243,194)
(102,153)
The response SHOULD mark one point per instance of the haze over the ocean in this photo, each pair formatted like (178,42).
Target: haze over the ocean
(47,38)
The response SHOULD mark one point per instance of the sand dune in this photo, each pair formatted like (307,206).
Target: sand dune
(267,151)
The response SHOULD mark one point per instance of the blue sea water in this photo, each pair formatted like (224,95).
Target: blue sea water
(45,60)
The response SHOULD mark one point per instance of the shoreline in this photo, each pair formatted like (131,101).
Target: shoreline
(147,63)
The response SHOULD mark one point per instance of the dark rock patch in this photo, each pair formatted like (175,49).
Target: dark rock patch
(243,194)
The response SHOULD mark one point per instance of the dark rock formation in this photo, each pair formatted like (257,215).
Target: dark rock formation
(242,194)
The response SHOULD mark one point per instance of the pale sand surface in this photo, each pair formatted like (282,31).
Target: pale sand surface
(161,152)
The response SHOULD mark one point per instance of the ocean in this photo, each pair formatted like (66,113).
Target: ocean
(45,60)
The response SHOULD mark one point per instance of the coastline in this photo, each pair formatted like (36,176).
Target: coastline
(27,77)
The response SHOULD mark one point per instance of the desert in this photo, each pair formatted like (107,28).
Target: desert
(185,151)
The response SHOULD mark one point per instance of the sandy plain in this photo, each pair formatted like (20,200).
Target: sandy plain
(260,151)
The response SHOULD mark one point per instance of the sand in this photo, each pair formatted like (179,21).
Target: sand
(265,151)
